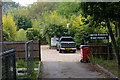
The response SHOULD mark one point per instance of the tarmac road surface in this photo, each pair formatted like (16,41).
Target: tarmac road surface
(65,65)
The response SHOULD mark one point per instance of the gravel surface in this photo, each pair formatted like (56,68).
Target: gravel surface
(54,55)
(65,65)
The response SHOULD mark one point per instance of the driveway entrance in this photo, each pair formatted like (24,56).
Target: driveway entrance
(65,65)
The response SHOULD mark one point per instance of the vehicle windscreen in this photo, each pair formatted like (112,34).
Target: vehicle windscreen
(67,39)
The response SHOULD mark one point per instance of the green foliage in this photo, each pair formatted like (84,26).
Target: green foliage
(67,9)
(54,18)
(9,28)
(106,12)
(118,42)
(51,19)
(110,65)
(6,36)
(78,26)
(92,59)
(81,27)
(53,30)
(32,34)
(55,25)
(23,21)
(21,35)
(38,9)
(36,23)
(101,11)
(21,63)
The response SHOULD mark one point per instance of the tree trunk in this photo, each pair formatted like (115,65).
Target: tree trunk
(113,41)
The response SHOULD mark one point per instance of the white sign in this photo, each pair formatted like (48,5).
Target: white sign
(99,36)
(54,41)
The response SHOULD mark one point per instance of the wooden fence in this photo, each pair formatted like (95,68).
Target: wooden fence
(99,50)
(19,46)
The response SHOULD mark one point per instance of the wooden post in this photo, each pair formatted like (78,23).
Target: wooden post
(0,39)
(108,45)
(39,50)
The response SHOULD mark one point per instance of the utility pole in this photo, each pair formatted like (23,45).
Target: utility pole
(0,39)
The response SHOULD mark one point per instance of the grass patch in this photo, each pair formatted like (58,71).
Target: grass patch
(110,65)
(33,76)
(21,63)
(40,73)
(36,62)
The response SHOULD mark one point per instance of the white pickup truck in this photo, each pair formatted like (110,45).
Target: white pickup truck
(66,43)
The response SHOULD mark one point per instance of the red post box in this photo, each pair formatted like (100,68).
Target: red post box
(85,53)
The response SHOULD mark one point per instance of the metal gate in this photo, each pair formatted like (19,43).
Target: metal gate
(29,57)
(8,65)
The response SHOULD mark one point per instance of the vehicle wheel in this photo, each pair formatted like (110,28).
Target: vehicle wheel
(57,49)
(74,51)
(81,60)
(88,61)
(60,51)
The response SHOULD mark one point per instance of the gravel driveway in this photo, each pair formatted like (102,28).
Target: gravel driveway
(65,65)
(54,55)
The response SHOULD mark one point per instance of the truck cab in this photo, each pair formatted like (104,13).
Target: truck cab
(66,43)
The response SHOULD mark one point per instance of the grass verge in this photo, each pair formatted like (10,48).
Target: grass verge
(21,63)
(40,73)
(110,65)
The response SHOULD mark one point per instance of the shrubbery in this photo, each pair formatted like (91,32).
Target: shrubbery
(32,34)
(21,35)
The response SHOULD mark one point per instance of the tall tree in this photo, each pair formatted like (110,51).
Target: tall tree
(23,21)
(104,12)
(9,26)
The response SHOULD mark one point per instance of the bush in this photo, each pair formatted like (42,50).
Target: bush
(6,36)
(21,35)
(54,30)
(33,34)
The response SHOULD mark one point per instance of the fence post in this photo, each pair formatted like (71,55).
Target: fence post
(29,57)
(14,66)
(26,51)
(32,57)
(39,50)
(7,72)
(0,39)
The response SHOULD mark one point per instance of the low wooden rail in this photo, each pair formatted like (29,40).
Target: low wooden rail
(19,46)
